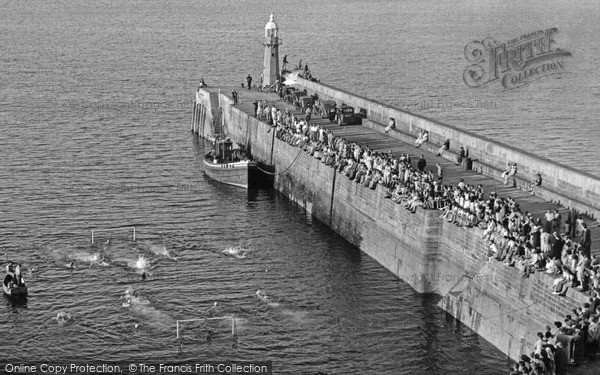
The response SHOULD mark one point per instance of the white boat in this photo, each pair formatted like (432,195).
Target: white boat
(13,285)
(228,166)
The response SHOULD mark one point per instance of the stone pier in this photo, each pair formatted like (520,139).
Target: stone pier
(422,249)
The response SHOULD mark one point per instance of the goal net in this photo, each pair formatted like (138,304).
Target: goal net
(100,236)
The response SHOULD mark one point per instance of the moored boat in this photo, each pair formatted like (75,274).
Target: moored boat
(229,166)
(13,284)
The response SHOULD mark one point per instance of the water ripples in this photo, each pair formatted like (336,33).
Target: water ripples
(83,150)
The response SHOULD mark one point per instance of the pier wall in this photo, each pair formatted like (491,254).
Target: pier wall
(205,113)
(561,184)
(422,249)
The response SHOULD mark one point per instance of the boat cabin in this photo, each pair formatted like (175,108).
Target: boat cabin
(223,152)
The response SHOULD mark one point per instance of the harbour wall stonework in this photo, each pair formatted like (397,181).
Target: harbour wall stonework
(423,250)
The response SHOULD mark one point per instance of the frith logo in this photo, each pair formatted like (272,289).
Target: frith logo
(516,62)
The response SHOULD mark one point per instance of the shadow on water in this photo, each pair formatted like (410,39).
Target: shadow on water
(15,303)
(263,177)
(259,194)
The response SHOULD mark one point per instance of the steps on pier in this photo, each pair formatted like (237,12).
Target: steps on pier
(216,114)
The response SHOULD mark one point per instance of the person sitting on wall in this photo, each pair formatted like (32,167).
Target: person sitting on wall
(422,138)
(445,146)
(510,171)
(391,125)
(506,171)
(536,181)
(561,284)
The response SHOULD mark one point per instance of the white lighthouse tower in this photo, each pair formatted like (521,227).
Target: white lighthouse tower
(271,64)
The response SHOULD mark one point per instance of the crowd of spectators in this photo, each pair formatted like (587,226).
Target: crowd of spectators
(549,244)
(414,187)
(573,341)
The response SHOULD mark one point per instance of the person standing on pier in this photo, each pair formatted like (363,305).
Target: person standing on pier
(249,80)
(460,156)
(422,163)
(285,62)
(440,172)
(586,239)
(308,113)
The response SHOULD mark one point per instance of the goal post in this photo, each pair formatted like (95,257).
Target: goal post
(127,233)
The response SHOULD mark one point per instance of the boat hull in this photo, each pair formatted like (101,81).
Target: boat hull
(15,292)
(235,174)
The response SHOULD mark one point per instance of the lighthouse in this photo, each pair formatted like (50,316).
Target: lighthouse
(271,64)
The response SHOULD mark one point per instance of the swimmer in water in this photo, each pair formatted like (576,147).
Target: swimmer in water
(143,275)
(261,295)
(63,317)
(70,266)
(212,310)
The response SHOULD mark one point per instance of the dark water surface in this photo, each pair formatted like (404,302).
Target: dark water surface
(95,103)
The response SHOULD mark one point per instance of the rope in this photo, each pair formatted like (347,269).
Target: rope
(278,173)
